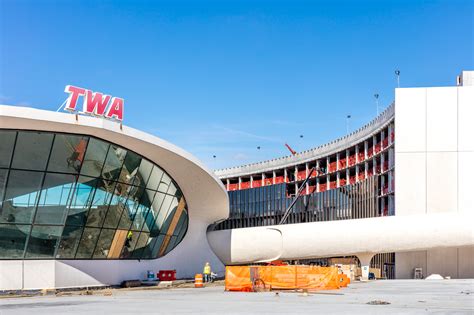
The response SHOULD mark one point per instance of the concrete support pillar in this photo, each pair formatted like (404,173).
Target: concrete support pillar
(251,181)
(382,138)
(296,179)
(285,175)
(366,148)
(337,161)
(365,265)
(366,169)
(263,180)
(390,130)
(338,178)
(227,183)
(274,177)
(240,183)
(307,173)
(357,154)
(382,161)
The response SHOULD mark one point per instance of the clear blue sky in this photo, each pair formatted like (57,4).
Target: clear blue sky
(223,77)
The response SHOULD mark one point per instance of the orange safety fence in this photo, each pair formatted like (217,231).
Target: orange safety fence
(247,278)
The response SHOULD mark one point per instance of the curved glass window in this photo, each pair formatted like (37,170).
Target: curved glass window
(68,196)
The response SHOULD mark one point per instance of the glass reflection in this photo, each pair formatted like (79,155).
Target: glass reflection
(121,206)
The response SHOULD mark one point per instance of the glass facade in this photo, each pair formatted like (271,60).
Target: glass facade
(266,205)
(65,196)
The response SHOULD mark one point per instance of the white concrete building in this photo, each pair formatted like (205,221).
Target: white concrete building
(399,188)
(88,202)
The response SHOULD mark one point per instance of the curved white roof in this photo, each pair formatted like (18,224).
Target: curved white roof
(204,192)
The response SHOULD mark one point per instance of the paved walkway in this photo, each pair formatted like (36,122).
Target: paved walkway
(404,296)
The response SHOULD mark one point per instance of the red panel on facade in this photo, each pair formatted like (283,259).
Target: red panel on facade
(342,163)
(279,180)
(257,183)
(352,160)
(244,185)
(301,175)
(322,187)
(233,187)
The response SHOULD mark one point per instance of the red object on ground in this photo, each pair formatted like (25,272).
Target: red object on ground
(167,275)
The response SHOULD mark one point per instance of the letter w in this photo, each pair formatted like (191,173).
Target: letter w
(95,103)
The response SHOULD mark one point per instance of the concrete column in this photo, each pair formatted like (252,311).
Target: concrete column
(263,180)
(317,184)
(365,265)
(274,177)
(296,179)
(382,161)
(347,176)
(228,183)
(366,168)
(338,178)
(337,161)
(285,175)
(240,183)
(251,181)
(382,138)
(374,141)
(366,148)
(357,154)
(390,129)
(374,165)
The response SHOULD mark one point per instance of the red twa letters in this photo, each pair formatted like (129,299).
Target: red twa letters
(95,103)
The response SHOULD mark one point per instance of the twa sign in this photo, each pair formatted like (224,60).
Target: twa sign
(94,103)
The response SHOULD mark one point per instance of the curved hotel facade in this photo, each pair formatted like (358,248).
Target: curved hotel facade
(396,193)
(86,201)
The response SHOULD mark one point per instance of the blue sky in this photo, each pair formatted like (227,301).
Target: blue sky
(223,77)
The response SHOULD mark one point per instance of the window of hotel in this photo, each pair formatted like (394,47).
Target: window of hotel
(6,147)
(32,150)
(112,210)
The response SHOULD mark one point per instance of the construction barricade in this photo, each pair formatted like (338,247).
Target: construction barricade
(264,278)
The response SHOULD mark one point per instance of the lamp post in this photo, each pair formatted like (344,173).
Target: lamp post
(376,95)
(397,73)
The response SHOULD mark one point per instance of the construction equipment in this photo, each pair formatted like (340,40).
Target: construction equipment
(298,194)
(291,150)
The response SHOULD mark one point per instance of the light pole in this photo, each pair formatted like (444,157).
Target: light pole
(397,73)
(376,95)
(347,123)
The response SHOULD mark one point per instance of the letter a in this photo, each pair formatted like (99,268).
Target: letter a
(116,109)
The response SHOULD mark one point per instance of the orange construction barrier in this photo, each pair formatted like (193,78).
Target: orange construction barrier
(253,278)
(198,281)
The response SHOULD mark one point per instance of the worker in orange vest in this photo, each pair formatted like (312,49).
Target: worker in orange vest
(207,272)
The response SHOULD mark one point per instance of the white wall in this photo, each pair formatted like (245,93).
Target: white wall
(434,163)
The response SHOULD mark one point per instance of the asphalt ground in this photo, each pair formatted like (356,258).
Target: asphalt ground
(375,297)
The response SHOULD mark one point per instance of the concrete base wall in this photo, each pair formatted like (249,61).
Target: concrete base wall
(188,258)
(457,263)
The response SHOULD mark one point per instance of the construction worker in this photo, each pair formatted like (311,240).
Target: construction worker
(207,272)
